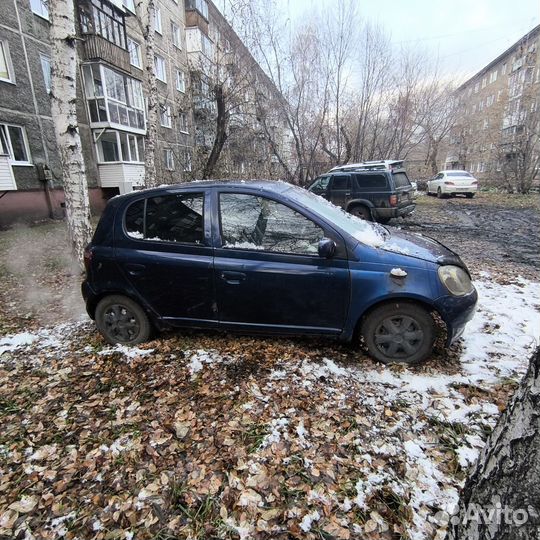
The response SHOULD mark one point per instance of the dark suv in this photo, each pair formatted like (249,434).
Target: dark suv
(374,190)
(269,257)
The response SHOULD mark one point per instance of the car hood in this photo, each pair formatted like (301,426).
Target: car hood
(420,247)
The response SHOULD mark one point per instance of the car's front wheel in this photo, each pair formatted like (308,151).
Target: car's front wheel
(361,212)
(399,332)
(440,194)
(469,195)
(121,320)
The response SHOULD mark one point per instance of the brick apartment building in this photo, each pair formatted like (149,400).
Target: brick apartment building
(496,107)
(192,42)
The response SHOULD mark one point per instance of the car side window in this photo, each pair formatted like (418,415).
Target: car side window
(258,223)
(371,182)
(174,217)
(341,182)
(320,184)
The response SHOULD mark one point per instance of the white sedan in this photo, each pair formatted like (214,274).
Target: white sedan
(448,183)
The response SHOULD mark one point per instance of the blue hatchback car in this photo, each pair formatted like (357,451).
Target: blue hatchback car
(269,257)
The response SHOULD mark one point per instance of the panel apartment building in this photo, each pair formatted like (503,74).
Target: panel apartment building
(495,107)
(191,40)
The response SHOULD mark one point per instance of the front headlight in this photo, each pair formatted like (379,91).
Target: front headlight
(456,280)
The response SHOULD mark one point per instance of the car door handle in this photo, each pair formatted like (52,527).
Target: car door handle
(233,278)
(135,269)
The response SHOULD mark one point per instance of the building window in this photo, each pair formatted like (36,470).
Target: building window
(180,80)
(157,20)
(493,76)
(113,98)
(159,66)
(165,116)
(6,68)
(186,160)
(14,142)
(207,46)
(183,122)
(168,159)
(484,82)
(134,53)
(46,69)
(129,5)
(117,146)
(176,36)
(503,69)
(200,5)
(102,18)
(39,7)
(476,88)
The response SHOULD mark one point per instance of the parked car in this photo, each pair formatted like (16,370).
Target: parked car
(450,183)
(373,190)
(269,257)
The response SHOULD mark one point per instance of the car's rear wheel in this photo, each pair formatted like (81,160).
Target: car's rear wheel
(399,332)
(361,212)
(121,320)
(469,195)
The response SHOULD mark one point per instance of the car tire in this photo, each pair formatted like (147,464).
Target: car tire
(439,193)
(361,211)
(469,195)
(399,332)
(383,220)
(120,320)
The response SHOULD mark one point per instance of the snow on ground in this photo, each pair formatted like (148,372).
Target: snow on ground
(406,410)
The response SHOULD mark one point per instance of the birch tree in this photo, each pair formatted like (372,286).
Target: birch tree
(66,127)
(501,498)
(146,16)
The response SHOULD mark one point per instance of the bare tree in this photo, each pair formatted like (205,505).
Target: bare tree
(501,498)
(436,109)
(518,148)
(146,18)
(64,115)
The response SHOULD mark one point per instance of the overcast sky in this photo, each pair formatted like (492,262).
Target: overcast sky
(465,34)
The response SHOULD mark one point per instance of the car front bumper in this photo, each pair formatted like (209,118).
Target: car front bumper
(456,312)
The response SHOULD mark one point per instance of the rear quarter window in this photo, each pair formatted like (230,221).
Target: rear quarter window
(371,182)
(401,180)
(167,218)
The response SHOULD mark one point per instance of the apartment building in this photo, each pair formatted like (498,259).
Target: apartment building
(191,41)
(498,107)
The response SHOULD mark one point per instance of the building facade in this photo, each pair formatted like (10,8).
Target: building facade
(497,124)
(192,41)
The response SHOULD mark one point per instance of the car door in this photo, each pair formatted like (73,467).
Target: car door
(340,189)
(164,249)
(268,272)
(320,186)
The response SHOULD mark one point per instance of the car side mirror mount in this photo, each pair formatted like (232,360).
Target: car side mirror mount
(327,248)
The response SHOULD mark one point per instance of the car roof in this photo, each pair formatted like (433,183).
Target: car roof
(274,186)
(455,170)
(382,165)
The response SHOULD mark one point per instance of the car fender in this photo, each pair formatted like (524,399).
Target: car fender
(357,202)
(373,284)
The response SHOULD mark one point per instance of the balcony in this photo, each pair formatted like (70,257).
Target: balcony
(124,176)
(97,48)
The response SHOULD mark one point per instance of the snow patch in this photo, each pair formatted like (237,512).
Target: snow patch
(398,272)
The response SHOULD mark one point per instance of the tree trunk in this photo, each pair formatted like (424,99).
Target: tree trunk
(222,121)
(150,139)
(66,128)
(501,498)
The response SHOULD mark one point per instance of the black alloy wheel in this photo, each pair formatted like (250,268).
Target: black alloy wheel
(121,320)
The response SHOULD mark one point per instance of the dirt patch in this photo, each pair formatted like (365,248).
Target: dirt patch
(502,240)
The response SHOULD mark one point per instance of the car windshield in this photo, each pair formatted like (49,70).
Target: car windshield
(459,174)
(366,232)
